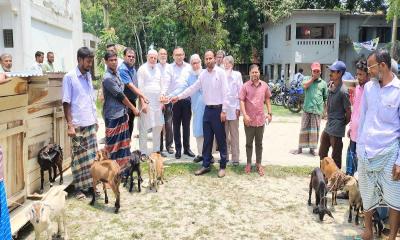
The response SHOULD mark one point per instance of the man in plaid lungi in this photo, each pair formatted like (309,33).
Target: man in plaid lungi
(80,114)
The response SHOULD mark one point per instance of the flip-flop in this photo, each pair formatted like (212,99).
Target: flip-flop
(260,170)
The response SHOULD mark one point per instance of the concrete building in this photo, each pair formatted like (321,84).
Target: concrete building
(27,26)
(319,35)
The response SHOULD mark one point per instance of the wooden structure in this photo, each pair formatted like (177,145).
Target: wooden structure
(31,116)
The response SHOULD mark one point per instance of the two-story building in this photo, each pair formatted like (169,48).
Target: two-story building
(27,26)
(319,35)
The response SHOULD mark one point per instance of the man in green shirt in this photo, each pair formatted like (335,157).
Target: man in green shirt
(48,66)
(316,94)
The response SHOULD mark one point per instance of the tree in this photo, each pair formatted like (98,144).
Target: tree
(393,13)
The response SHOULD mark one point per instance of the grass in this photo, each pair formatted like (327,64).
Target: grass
(283,112)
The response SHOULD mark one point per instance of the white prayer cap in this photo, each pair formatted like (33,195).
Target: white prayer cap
(152,51)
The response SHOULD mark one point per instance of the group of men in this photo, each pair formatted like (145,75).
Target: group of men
(39,66)
(374,131)
(164,97)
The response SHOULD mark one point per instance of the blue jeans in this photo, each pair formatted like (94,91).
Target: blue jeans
(351,159)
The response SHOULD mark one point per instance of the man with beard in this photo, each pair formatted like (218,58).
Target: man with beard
(5,62)
(214,87)
(49,66)
(378,142)
(253,95)
(339,113)
(219,58)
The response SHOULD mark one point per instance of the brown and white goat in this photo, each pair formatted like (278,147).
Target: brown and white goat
(335,178)
(156,170)
(355,201)
(43,213)
(106,171)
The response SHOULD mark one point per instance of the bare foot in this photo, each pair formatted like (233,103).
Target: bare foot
(297,151)
(367,235)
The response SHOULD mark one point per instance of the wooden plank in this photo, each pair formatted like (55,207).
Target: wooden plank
(34,149)
(55,83)
(14,87)
(44,95)
(39,125)
(42,137)
(13,114)
(12,102)
(12,131)
(47,107)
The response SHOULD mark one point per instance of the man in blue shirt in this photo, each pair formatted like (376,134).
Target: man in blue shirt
(127,74)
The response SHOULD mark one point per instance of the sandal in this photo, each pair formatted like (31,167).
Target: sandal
(260,170)
(247,168)
(80,195)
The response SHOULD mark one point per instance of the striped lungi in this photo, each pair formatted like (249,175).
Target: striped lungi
(376,180)
(84,148)
(309,131)
(118,140)
(5,228)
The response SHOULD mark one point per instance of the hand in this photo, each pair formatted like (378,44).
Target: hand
(145,99)
(174,99)
(223,116)
(396,172)
(324,116)
(269,118)
(164,100)
(237,113)
(246,120)
(348,133)
(136,111)
(71,131)
(144,108)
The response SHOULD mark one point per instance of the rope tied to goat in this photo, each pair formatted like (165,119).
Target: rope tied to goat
(338,179)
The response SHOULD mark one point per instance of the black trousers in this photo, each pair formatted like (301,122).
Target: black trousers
(131,118)
(169,136)
(181,117)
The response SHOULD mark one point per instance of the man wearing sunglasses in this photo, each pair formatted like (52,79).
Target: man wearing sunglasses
(378,142)
(339,113)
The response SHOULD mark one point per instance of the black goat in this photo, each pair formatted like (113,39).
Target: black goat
(50,157)
(317,182)
(133,166)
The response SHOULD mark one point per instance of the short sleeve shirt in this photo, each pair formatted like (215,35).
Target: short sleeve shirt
(128,75)
(338,102)
(315,96)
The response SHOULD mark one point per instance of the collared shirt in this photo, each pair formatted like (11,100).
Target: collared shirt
(48,67)
(37,67)
(338,102)
(379,124)
(254,98)
(113,90)
(166,76)
(235,83)
(128,75)
(1,165)
(298,78)
(78,92)
(315,96)
(213,85)
(179,76)
(355,112)
(120,61)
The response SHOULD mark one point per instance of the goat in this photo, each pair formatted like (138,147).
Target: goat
(134,166)
(317,182)
(43,213)
(50,157)
(106,171)
(377,221)
(334,176)
(355,201)
(156,170)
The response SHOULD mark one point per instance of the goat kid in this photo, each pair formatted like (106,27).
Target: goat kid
(317,182)
(355,201)
(106,171)
(43,213)
(134,166)
(335,178)
(156,170)
(50,158)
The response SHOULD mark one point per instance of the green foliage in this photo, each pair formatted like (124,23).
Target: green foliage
(394,9)
(107,36)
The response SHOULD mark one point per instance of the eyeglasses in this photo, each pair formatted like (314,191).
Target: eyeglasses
(369,68)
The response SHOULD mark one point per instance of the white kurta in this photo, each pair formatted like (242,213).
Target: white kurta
(149,82)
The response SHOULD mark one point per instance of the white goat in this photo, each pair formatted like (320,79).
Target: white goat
(43,213)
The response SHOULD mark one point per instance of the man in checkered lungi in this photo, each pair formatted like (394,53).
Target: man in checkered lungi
(80,113)
(316,94)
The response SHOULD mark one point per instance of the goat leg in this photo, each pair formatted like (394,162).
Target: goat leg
(115,188)
(93,191)
(309,193)
(41,180)
(140,180)
(350,214)
(59,165)
(50,177)
(54,173)
(131,180)
(105,193)
(357,214)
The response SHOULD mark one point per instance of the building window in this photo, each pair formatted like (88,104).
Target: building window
(266,41)
(92,44)
(8,38)
(315,31)
(384,34)
(288,32)
(271,71)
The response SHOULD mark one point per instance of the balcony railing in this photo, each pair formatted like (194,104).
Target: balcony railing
(315,42)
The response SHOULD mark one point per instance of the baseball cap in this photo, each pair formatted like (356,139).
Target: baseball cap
(315,65)
(338,66)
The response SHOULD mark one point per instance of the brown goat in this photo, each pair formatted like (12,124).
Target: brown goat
(156,170)
(336,178)
(354,197)
(106,171)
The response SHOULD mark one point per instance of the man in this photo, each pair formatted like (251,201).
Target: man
(38,65)
(362,77)
(113,48)
(80,114)
(48,66)
(5,62)
(115,113)
(214,87)
(235,83)
(149,82)
(182,108)
(253,95)
(127,73)
(378,142)
(339,113)
(219,58)
(316,94)
(298,78)
(166,73)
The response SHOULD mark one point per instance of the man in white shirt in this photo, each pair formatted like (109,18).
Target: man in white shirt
(219,58)
(38,65)
(298,78)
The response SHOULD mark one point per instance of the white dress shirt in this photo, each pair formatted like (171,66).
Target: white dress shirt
(179,77)
(235,82)
(166,76)
(214,86)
